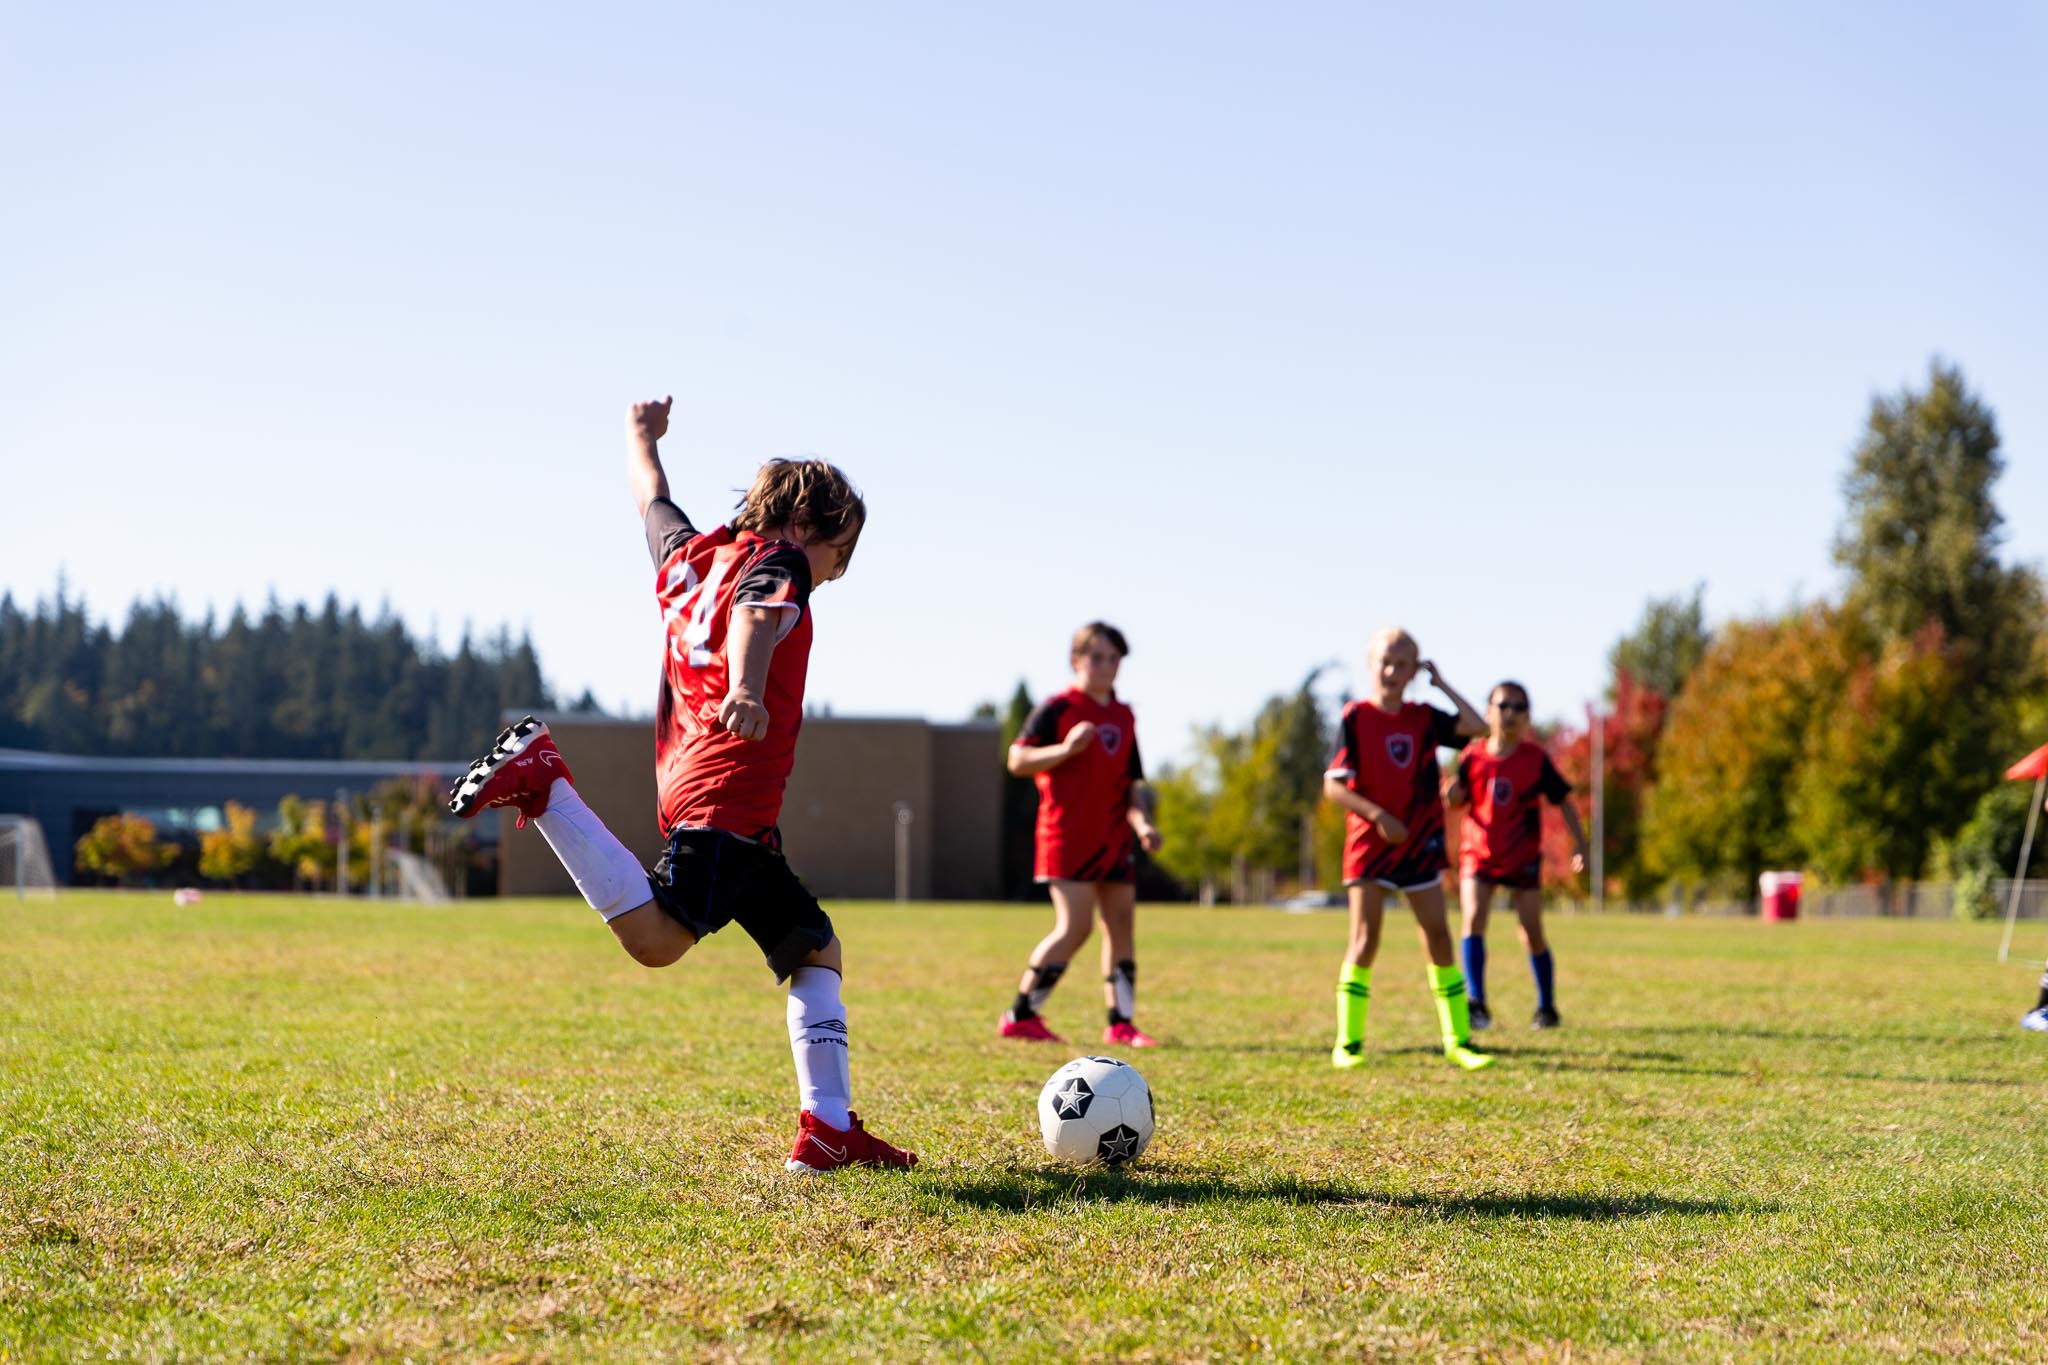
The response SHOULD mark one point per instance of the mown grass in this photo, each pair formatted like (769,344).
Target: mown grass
(285,1130)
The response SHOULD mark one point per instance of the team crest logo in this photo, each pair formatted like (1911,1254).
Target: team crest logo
(1503,791)
(1401,749)
(1112,737)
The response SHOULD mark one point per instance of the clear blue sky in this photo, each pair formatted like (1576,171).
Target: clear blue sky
(1249,328)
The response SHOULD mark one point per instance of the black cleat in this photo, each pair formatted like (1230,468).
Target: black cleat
(1545,1017)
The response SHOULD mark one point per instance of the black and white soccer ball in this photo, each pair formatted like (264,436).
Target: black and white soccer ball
(1096,1111)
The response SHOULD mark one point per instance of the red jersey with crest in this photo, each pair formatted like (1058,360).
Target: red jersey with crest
(1084,829)
(1389,758)
(1502,837)
(710,778)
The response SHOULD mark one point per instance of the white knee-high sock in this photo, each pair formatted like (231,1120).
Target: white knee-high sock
(817,1039)
(609,877)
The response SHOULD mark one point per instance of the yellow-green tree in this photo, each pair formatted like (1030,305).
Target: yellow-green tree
(301,841)
(1732,750)
(1877,783)
(230,854)
(121,847)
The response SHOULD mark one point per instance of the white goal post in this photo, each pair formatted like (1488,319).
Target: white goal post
(25,868)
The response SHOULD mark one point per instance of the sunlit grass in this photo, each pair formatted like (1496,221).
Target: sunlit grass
(276,1129)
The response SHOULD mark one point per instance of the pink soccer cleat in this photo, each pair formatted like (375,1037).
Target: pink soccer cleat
(1032,1030)
(1127,1035)
(820,1147)
(518,771)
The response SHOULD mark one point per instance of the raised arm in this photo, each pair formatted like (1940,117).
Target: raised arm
(646,424)
(1470,722)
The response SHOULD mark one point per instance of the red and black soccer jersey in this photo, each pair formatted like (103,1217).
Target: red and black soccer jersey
(1389,758)
(709,778)
(1084,830)
(1502,837)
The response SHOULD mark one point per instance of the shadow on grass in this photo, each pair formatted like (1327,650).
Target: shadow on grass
(1025,1190)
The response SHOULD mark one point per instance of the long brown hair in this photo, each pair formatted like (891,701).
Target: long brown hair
(811,495)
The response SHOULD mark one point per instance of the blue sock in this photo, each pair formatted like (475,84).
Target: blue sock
(1544,968)
(1472,949)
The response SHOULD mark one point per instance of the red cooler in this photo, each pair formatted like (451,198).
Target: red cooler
(1780,894)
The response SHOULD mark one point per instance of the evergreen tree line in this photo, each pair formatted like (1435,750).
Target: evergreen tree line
(290,682)
(1860,738)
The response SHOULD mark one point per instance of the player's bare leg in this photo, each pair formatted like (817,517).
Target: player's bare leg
(1529,915)
(1117,903)
(1476,899)
(650,937)
(1073,914)
(1354,977)
(525,771)
(1446,982)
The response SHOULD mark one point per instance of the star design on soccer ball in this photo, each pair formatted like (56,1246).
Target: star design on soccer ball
(1119,1144)
(1072,1102)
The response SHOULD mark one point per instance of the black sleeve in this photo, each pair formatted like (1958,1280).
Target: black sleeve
(667,529)
(1443,729)
(1042,726)
(1137,764)
(1551,785)
(779,576)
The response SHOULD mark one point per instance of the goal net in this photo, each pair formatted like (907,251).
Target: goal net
(24,859)
(417,880)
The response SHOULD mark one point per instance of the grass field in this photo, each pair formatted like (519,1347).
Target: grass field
(284,1130)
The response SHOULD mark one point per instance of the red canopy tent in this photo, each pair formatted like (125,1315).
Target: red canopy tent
(2034,765)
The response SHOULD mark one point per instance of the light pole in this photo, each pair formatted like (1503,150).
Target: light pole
(904,816)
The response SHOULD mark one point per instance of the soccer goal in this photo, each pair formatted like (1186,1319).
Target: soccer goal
(25,868)
(417,880)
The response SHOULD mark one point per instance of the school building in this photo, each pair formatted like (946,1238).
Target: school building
(872,801)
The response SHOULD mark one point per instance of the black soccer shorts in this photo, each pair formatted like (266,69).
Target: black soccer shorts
(706,879)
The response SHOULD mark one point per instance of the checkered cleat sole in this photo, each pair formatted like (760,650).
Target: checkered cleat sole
(518,771)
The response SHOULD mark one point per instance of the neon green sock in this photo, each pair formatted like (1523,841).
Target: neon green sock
(1354,989)
(1447,984)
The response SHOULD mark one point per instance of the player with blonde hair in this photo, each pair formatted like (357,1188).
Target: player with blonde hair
(1385,775)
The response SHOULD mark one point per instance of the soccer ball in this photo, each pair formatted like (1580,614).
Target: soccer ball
(1096,1110)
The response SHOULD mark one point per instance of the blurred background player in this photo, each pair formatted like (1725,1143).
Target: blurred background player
(735,610)
(1500,843)
(1385,775)
(1094,813)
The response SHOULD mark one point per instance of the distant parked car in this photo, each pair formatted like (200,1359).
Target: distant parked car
(1301,902)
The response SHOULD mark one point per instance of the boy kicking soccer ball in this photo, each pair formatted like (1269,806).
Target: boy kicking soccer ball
(1500,779)
(1094,813)
(1385,775)
(735,610)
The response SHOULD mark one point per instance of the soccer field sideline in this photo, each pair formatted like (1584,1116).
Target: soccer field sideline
(317,1130)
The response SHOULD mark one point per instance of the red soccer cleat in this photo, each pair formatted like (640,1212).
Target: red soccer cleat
(1032,1030)
(820,1147)
(1127,1035)
(518,771)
